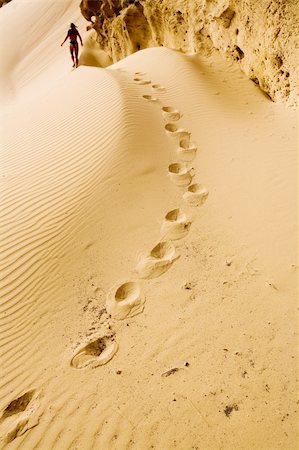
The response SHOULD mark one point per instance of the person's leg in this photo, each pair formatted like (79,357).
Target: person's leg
(76,53)
(72,54)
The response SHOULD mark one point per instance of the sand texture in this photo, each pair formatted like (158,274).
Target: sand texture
(148,248)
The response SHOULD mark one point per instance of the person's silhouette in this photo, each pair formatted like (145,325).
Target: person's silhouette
(72,34)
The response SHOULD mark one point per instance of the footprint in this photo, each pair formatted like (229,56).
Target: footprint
(170,113)
(19,416)
(141,81)
(18,405)
(172,130)
(158,261)
(196,195)
(125,301)
(179,174)
(176,225)
(150,98)
(96,353)
(139,74)
(158,87)
(187,150)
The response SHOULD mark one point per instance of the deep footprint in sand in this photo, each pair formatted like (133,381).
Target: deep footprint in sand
(176,225)
(158,261)
(19,416)
(140,74)
(186,150)
(158,87)
(150,98)
(95,353)
(172,130)
(141,81)
(179,174)
(196,195)
(171,114)
(125,300)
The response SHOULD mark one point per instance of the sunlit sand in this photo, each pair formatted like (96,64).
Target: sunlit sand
(149,253)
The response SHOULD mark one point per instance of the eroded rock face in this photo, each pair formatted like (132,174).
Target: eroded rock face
(3,2)
(259,35)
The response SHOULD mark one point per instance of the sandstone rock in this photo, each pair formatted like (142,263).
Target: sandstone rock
(259,35)
(3,2)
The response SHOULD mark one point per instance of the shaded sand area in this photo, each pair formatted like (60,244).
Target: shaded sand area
(148,249)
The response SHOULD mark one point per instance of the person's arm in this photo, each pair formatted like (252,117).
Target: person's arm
(80,38)
(65,40)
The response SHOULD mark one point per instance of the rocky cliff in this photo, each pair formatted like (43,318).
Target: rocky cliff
(259,35)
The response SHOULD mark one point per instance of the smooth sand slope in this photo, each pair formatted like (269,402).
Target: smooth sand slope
(148,250)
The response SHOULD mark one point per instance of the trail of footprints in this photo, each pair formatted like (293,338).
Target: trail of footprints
(127,300)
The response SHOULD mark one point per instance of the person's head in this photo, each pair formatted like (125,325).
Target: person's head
(73,26)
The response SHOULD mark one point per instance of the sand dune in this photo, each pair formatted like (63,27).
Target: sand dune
(148,243)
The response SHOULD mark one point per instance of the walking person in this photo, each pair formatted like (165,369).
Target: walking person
(73,34)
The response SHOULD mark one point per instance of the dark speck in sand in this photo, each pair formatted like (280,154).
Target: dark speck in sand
(229,409)
(169,372)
